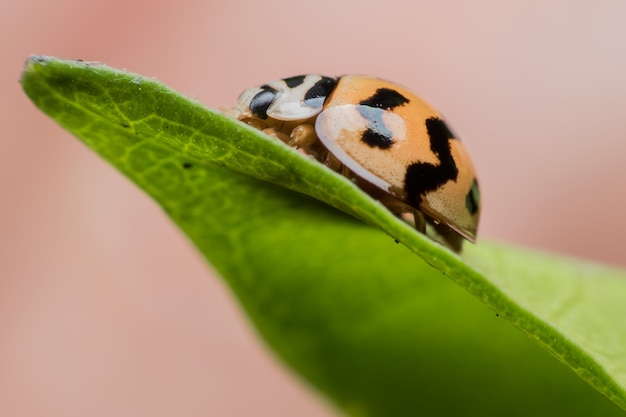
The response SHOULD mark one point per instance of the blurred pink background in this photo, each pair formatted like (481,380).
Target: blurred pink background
(105,309)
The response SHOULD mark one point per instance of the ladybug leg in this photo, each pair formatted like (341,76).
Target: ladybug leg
(273,131)
(333,163)
(302,136)
(252,122)
(441,233)
(405,212)
(419,222)
(270,131)
(437,231)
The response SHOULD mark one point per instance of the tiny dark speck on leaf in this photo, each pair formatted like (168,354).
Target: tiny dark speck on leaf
(396,240)
(187,165)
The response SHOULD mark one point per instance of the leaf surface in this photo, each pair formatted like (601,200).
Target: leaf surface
(382,328)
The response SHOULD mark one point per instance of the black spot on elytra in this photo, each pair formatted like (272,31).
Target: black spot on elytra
(316,95)
(293,82)
(385,98)
(423,177)
(262,101)
(187,165)
(376,134)
(372,110)
(472,200)
(376,139)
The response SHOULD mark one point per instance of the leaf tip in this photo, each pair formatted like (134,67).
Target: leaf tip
(34,61)
(38,59)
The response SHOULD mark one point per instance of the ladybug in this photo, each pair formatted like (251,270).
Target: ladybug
(383,137)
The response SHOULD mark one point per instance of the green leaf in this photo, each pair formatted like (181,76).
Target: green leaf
(373,324)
